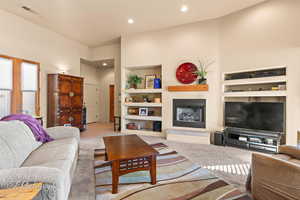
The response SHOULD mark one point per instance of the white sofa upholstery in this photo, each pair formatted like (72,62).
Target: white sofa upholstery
(52,163)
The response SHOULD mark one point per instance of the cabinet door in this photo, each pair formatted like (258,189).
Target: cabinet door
(64,118)
(77,93)
(65,84)
(65,89)
(77,86)
(77,118)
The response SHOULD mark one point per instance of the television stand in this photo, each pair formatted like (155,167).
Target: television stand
(254,139)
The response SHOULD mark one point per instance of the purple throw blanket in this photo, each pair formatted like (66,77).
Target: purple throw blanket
(36,128)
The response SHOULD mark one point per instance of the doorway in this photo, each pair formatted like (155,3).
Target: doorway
(92,99)
(111,103)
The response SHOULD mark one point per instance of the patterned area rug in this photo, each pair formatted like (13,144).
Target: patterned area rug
(211,189)
(178,178)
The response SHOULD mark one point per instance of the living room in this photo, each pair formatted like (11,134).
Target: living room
(183,78)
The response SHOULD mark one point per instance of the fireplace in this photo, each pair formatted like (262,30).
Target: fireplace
(189,113)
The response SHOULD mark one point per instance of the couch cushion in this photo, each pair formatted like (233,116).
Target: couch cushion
(59,154)
(16,143)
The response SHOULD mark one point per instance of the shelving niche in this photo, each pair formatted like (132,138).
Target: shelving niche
(134,99)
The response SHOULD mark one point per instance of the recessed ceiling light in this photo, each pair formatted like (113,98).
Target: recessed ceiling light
(104,64)
(184,8)
(130,21)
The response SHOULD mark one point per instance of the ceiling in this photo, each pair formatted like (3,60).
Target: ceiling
(98,22)
(101,64)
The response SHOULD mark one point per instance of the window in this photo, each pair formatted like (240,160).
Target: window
(19,86)
(29,73)
(6,85)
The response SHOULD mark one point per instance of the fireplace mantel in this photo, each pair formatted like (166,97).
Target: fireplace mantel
(188,88)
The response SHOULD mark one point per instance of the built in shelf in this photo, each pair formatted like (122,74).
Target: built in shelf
(264,80)
(143,104)
(143,91)
(188,88)
(282,93)
(143,118)
(144,132)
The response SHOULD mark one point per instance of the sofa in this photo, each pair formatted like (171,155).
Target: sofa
(276,177)
(23,160)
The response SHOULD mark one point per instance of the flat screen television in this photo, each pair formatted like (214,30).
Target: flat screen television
(255,115)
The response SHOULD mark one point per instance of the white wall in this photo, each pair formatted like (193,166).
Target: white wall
(262,36)
(169,47)
(22,39)
(90,74)
(112,51)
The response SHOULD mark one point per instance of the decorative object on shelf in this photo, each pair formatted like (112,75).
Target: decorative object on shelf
(157,126)
(185,73)
(157,100)
(149,81)
(151,113)
(146,99)
(139,126)
(134,80)
(157,83)
(143,111)
(131,126)
(282,87)
(128,100)
(133,111)
(202,70)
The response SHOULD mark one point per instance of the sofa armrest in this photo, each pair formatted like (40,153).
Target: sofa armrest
(60,132)
(290,150)
(274,179)
(52,179)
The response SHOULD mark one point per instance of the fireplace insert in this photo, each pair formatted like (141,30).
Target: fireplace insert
(189,113)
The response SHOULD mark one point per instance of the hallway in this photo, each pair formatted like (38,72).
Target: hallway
(97,129)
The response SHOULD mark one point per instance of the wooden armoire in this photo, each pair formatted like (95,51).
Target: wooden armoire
(65,100)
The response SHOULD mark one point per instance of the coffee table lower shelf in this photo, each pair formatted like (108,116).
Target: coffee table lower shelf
(126,166)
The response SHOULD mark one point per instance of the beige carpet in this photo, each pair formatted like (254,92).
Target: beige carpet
(209,156)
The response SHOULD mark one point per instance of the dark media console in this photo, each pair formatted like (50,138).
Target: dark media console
(254,139)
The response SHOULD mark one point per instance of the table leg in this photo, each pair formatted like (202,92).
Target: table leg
(153,169)
(105,156)
(115,176)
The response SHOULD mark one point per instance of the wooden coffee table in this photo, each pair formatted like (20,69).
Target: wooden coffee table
(129,154)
